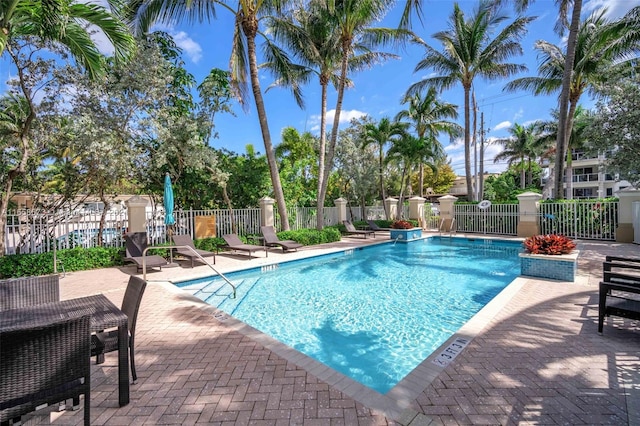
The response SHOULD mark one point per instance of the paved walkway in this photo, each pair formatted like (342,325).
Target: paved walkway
(536,359)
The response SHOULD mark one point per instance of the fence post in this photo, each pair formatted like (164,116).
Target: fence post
(341,204)
(391,205)
(137,216)
(416,209)
(624,231)
(447,213)
(266,211)
(529,217)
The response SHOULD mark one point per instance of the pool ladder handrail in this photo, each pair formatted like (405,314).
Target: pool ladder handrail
(191,249)
(451,231)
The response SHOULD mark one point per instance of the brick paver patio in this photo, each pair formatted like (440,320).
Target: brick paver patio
(538,360)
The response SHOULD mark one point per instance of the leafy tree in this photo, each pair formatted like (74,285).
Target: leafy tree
(63,26)
(470,50)
(298,168)
(439,181)
(615,129)
(356,164)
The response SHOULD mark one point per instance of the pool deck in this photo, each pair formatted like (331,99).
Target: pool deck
(534,356)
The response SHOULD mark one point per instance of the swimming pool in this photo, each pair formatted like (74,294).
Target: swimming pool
(373,313)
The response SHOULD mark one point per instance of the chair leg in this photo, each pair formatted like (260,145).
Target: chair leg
(100,358)
(133,362)
(76,403)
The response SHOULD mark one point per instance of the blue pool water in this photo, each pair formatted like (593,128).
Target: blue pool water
(373,313)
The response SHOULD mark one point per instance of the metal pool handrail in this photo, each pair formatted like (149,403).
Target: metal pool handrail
(191,249)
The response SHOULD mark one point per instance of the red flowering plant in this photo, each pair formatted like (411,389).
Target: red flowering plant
(402,224)
(549,244)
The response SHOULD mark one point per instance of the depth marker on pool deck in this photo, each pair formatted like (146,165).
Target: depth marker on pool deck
(451,352)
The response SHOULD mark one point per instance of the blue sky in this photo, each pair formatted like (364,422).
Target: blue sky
(377,92)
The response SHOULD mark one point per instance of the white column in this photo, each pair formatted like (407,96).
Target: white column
(137,214)
(528,221)
(416,209)
(266,211)
(341,204)
(624,231)
(392,207)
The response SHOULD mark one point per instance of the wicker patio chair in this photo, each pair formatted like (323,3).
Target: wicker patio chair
(44,364)
(107,341)
(28,291)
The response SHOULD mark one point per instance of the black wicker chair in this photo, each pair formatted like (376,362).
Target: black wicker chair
(29,291)
(619,289)
(44,364)
(107,341)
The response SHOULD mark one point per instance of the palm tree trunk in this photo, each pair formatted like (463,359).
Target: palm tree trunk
(562,139)
(382,191)
(467,142)
(264,125)
(336,123)
(523,178)
(322,153)
(569,172)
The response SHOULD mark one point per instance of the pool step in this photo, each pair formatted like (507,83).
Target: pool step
(217,292)
(230,305)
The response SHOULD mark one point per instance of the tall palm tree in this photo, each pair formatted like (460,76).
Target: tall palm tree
(563,100)
(599,44)
(310,36)
(470,50)
(143,13)
(353,20)
(428,117)
(381,134)
(520,146)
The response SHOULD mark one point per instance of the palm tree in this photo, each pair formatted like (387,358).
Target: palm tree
(470,50)
(243,56)
(599,44)
(66,22)
(408,151)
(352,20)
(428,118)
(310,36)
(381,134)
(520,146)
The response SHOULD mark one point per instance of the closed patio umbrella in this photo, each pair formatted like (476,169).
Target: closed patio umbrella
(169,220)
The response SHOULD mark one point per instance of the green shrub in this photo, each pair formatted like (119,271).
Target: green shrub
(75,259)
(310,237)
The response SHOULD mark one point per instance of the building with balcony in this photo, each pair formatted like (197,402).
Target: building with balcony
(589,179)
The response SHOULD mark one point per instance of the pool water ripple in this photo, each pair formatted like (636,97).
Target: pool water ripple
(373,315)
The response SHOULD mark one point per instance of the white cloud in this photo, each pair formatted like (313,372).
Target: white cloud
(615,8)
(345,117)
(502,125)
(188,45)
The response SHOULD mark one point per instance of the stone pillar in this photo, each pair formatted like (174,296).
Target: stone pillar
(529,217)
(341,204)
(416,209)
(266,211)
(391,205)
(447,213)
(137,214)
(624,231)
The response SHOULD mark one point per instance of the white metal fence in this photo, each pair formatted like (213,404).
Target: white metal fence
(583,219)
(496,219)
(36,231)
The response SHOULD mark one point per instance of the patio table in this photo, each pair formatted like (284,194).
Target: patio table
(104,315)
